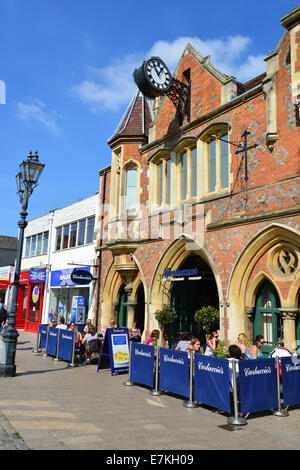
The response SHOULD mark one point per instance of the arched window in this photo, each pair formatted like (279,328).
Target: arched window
(131,182)
(215,150)
(187,161)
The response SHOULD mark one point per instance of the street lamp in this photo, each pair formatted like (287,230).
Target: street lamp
(27,181)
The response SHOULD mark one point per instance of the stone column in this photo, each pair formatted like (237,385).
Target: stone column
(289,315)
(130,313)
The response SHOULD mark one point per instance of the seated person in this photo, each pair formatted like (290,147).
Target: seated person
(53,323)
(194,346)
(61,324)
(78,340)
(280,352)
(91,335)
(183,343)
(234,353)
(135,333)
(153,338)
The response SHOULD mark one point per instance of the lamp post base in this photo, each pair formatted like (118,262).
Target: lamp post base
(7,370)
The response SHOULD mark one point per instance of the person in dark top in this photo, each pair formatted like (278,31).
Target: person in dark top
(3,316)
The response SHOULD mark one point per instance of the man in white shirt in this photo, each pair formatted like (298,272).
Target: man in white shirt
(62,324)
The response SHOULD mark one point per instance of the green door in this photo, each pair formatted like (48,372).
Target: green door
(267,320)
(298,328)
(122,310)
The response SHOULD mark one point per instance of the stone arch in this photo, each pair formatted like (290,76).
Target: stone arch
(110,295)
(255,286)
(237,294)
(173,257)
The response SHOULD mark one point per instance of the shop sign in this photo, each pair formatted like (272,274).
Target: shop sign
(4,274)
(37,276)
(62,277)
(180,274)
(81,277)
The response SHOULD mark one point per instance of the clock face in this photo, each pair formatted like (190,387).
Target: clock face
(158,74)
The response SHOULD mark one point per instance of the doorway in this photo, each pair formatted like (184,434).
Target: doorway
(267,319)
(187,296)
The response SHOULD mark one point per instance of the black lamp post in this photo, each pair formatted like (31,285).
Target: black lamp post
(27,181)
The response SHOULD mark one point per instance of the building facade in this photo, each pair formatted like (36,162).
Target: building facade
(54,245)
(191,220)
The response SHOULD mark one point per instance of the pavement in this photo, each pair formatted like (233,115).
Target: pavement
(51,406)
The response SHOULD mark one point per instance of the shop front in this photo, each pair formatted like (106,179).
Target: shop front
(6,280)
(68,299)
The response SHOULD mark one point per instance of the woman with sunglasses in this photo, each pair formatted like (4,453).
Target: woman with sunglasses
(255,351)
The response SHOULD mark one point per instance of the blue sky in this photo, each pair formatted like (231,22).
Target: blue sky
(67,68)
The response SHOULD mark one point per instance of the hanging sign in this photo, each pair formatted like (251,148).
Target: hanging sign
(115,351)
(36,275)
(80,276)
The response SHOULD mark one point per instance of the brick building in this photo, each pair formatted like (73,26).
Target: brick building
(181,223)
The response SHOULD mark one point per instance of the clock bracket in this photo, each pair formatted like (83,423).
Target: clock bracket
(180,95)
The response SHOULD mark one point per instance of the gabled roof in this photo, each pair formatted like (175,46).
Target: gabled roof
(135,121)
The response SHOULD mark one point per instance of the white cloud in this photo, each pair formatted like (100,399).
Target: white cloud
(36,111)
(112,87)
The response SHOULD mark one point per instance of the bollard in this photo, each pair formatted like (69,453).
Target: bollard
(37,350)
(129,383)
(72,364)
(56,359)
(280,411)
(191,403)
(155,391)
(45,354)
(236,419)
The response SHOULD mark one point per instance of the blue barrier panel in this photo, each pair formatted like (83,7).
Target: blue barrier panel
(290,367)
(52,341)
(43,336)
(174,371)
(258,385)
(211,379)
(66,344)
(142,363)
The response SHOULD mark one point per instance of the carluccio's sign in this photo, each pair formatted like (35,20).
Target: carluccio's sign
(180,274)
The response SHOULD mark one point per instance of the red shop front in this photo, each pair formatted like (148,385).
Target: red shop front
(30,300)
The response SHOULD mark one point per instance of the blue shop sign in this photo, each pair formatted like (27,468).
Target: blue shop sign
(36,275)
(62,277)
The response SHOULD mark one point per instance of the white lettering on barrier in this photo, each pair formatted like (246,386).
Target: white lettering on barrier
(53,334)
(290,368)
(142,353)
(172,359)
(256,371)
(66,337)
(209,368)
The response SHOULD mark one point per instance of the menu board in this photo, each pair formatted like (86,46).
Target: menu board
(115,351)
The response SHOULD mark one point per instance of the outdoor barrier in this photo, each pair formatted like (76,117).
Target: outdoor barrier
(57,342)
(258,385)
(52,341)
(212,385)
(66,345)
(142,363)
(290,367)
(174,371)
(255,384)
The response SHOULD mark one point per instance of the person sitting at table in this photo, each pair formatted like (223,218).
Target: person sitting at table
(244,343)
(194,346)
(183,343)
(255,351)
(53,323)
(90,336)
(234,353)
(211,343)
(154,337)
(61,324)
(78,340)
(87,323)
(135,332)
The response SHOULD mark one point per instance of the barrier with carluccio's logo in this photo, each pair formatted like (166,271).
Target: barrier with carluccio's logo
(58,343)
(290,367)
(174,371)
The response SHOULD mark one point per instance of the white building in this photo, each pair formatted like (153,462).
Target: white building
(57,243)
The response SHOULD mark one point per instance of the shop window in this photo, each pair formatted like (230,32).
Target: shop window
(58,238)
(73,233)
(65,237)
(81,232)
(164,187)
